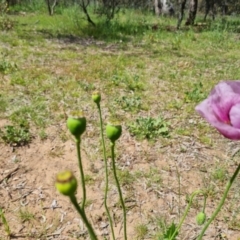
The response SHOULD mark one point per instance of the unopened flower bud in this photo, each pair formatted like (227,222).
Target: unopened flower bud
(113,131)
(201,217)
(77,126)
(66,183)
(96,97)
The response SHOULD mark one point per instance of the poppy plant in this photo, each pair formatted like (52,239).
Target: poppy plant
(222,109)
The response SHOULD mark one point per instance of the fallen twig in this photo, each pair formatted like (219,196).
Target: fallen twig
(9,174)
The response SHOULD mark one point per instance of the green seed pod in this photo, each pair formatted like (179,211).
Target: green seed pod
(96,97)
(66,183)
(77,126)
(201,217)
(113,131)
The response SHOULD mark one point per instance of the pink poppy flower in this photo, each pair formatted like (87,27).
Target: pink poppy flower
(222,109)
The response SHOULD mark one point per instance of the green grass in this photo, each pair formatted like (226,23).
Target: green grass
(219,174)
(152,177)
(141,231)
(126,178)
(196,94)
(5,223)
(25,215)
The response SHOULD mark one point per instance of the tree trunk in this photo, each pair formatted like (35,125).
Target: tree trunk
(51,6)
(209,7)
(182,4)
(84,6)
(192,12)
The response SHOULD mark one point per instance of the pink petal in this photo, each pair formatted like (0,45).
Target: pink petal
(227,130)
(206,111)
(234,115)
(222,98)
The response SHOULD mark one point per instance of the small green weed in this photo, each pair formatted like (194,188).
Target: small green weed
(175,105)
(210,189)
(141,231)
(125,177)
(15,135)
(166,231)
(3,104)
(176,43)
(25,215)
(88,87)
(206,140)
(170,233)
(183,131)
(161,227)
(149,128)
(5,65)
(116,80)
(196,94)
(153,177)
(42,134)
(130,103)
(134,83)
(219,174)
(88,179)
(124,79)
(234,222)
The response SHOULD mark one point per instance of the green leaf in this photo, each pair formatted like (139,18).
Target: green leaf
(170,233)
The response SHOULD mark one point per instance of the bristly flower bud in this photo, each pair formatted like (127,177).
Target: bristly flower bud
(201,217)
(77,125)
(113,131)
(66,183)
(96,97)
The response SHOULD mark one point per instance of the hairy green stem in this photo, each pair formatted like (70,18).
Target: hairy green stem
(106,172)
(78,143)
(84,218)
(185,214)
(228,186)
(119,192)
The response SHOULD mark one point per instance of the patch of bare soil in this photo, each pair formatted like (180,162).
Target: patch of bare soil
(35,210)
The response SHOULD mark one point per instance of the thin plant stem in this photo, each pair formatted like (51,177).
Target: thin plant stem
(106,172)
(78,143)
(5,223)
(228,186)
(119,192)
(84,218)
(185,214)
